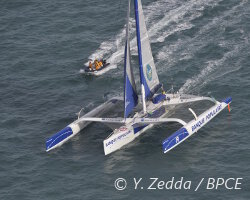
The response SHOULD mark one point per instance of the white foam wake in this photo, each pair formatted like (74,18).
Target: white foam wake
(173,14)
(186,47)
(197,81)
(220,67)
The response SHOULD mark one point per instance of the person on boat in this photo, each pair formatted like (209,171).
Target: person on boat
(101,63)
(98,64)
(90,65)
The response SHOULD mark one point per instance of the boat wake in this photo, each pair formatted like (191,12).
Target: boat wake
(219,67)
(165,19)
(198,81)
(162,18)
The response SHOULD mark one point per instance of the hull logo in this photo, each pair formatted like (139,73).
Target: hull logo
(123,128)
(149,72)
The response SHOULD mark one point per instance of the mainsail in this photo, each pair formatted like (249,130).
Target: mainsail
(130,94)
(148,75)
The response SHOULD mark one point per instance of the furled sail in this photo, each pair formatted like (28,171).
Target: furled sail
(148,75)
(130,94)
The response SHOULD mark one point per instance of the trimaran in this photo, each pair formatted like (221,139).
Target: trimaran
(154,103)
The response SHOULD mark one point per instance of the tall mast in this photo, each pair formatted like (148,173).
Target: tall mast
(130,93)
(148,75)
(140,55)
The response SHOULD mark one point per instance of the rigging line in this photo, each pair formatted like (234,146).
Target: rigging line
(119,10)
(118,13)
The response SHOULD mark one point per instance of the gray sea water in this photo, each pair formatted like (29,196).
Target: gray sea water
(200,46)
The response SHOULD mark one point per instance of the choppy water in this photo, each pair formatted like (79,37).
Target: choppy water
(200,45)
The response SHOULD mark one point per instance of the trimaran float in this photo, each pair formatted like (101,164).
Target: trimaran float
(154,104)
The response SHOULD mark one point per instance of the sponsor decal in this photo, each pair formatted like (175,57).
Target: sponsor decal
(120,137)
(198,124)
(123,128)
(213,112)
(112,119)
(177,139)
(150,120)
(205,119)
(149,72)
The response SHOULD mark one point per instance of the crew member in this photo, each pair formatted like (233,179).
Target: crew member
(90,65)
(98,64)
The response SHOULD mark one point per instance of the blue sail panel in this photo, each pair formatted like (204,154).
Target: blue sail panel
(131,98)
(148,75)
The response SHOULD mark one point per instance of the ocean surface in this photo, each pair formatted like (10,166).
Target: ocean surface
(200,46)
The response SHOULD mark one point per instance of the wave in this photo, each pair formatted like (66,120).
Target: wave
(220,67)
(203,77)
(177,16)
(169,19)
